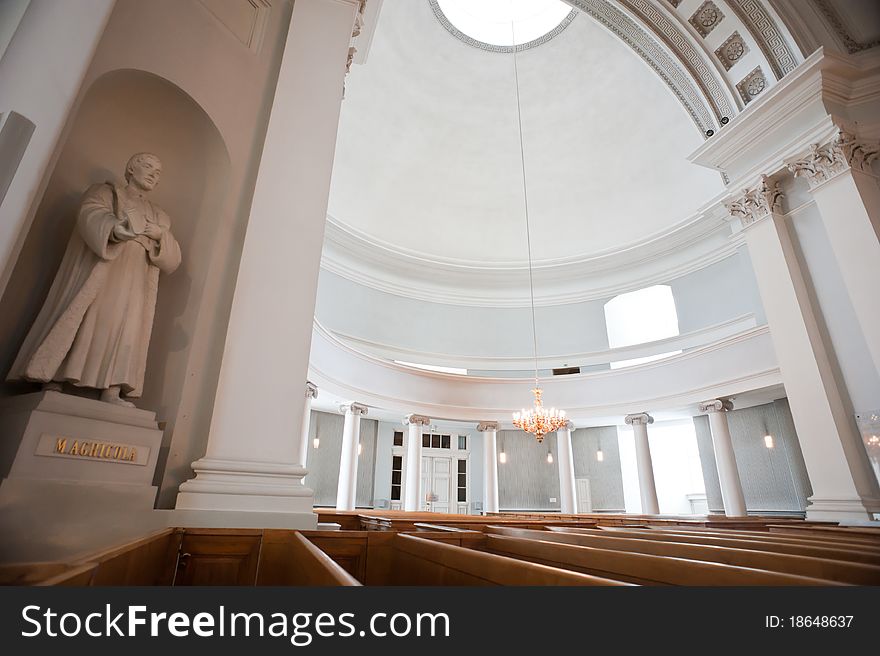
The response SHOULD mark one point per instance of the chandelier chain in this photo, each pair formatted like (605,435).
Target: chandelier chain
(522,159)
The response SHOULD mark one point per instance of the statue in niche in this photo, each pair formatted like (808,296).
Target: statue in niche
(94,328)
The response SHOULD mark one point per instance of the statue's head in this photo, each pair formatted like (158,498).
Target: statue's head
(143,170)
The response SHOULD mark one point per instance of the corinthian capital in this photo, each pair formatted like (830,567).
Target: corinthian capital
(484,426)
(311,390)
(756,203)
(845,152)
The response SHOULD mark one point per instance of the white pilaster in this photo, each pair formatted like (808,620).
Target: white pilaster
(565,460)
(847,195)
(489,429)
(843,484)
(412,462)
(40,77)
(346,490)
(311,393)
(250,464)
(647,486)
(725,459)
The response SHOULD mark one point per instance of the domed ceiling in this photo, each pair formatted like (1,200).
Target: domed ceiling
(428,160)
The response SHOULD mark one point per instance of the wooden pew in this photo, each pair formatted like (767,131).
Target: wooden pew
(418,561)
(808,566)
(640,568)
(746,543)
(289,558)
(861,534)
(791,538)
(149,560)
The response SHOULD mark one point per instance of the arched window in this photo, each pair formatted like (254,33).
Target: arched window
(642,316)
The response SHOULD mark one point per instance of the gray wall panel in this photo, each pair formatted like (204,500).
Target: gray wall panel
(772,479)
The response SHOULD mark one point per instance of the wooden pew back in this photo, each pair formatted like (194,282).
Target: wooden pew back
(746,543)
(289,558)
(418,561)
(808,566)
(640,568)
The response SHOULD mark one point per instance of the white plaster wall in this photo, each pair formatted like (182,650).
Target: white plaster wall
(11,12)
(717,293)
(676,461)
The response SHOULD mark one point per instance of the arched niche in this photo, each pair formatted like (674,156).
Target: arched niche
(121,113)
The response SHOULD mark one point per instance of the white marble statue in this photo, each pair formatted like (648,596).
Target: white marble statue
(94,328)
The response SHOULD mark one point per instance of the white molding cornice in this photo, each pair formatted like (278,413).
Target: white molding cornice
(809,106)
(699,241)
(689,340)
(687,355)
(369,378)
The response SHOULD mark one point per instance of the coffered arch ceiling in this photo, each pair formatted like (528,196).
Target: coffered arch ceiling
(427,189)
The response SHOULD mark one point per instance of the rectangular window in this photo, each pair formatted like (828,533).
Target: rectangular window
(462,442)
(426,440)
(398,438)
(396,469)
(462,481)
(444,444)
(435,441)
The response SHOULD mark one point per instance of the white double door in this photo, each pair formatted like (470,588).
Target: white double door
(437,484)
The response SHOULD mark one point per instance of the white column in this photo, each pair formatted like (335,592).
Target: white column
(565,460)
(725,458)
(250,467)
(647,487)
(40,77)
(489,429)
(311,393)
(843,484)
(412,462)
(346,490)
(847,195)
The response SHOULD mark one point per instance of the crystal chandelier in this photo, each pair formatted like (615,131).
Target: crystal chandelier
(538,420)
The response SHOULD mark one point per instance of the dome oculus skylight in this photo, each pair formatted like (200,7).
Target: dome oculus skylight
(501,25)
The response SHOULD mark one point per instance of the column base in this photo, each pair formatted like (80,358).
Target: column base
(244,494)
(841,510)
(301,521)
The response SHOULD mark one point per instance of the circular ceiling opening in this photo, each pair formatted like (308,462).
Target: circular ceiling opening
(504,24)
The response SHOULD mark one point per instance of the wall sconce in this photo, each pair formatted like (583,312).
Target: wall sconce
(549,456)
(316,442)
(360,448)
(502,457)
(768,441)
(600,456)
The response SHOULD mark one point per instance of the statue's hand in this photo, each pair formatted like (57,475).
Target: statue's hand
(121,232)
(153,231)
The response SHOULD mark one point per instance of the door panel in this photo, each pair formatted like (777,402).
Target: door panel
(440,484)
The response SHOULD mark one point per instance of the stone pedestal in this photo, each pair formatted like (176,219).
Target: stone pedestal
(77,475)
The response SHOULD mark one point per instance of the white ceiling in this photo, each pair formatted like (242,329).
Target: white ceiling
(428,156)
